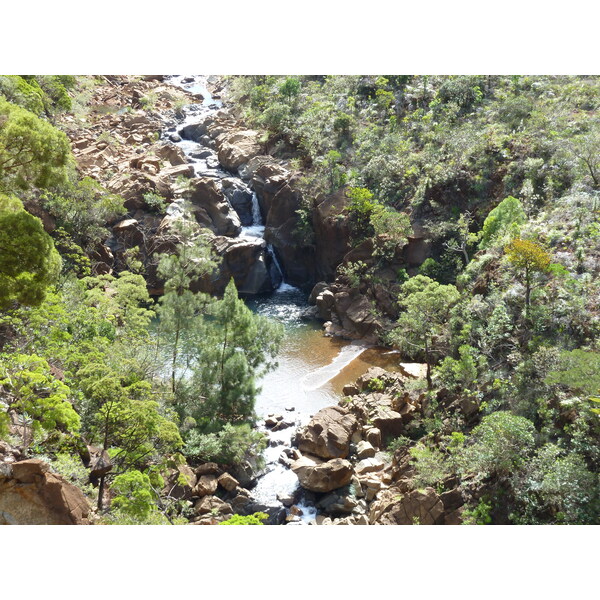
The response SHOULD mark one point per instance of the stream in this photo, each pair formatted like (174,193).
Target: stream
(312,369)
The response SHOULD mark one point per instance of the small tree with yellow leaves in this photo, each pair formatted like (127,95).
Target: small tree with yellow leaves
(529,258)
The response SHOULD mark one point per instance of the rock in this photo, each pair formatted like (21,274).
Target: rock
(282,425)
(175,138)
(414,370)
(180,483)
(452,500)
(325,302)
(270,422)
(328,433)
(209,468)
(336,503)
(418,506)
(212,505)
(237,148)
(318,289)
(128,233)
(99,464)
(319,476)
(373,436)
(286,499)
(365,450)
(31,495)
(240,198)
(173,154)
(350,389)
(209,201)
(206,485)
(249,263)
(27,471)
(227,482)
(388,421)
(364,382)
(369,465)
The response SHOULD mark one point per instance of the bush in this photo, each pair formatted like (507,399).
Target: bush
(229,446)
(255,519)
(498,445)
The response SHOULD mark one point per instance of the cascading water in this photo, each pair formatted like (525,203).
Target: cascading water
(299,386)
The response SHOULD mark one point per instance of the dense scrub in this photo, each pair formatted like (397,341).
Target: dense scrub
(500,174)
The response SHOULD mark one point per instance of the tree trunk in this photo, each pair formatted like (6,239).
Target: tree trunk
(101,492)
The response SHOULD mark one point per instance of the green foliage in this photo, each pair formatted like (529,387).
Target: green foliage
(290,88)
(84,209)
(29,262)
(556,487)
(38,94)
(359,209)
(256,518)
(237,347)
(430,466)
(155,202)
(354,272)
(376,385)
(461,374)
(32,390)
(423,323)
(133,495)
(32,152)
(229,446)
(498,445)
(479,515)
(578,371)
(502,222)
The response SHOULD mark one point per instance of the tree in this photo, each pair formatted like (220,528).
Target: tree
(180,310)
(124,420)
(504,220)
(498,445)
(29,263)
(578,371)
(392,229)
(464,238)
(238,346)
(84,209)
(290,88)
(32,391)
(587,149)
(32,152)
(529,258)
(423,324)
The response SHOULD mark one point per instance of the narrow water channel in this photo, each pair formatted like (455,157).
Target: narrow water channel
(312,369)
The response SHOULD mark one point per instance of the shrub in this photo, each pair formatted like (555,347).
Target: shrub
(255,519)
(498,445)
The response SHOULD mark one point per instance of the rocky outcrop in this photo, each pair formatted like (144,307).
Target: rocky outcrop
(249,263)
(328,433)
(417,507)
(211,208)
(279,202)
(31,495)
(317,475)
(236,148)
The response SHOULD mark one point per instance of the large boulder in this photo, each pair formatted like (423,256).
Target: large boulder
(31,495)
(249,263)
(423,507)
(317,475)
(212,209)
(236,148)
(328,434)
